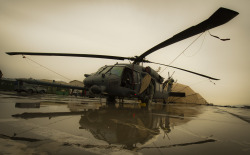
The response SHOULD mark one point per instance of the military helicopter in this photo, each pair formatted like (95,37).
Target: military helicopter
(134,80)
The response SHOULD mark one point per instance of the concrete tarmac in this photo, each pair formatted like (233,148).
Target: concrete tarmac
(50,124)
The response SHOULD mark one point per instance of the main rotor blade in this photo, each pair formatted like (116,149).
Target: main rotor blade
(184,70)
(71,55)
(220,17)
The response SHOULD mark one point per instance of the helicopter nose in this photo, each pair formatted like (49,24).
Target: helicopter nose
(96,89)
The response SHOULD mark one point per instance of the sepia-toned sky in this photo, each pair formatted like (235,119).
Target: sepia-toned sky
(128,28)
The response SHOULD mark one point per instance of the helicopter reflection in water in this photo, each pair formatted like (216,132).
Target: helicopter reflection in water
(129,125)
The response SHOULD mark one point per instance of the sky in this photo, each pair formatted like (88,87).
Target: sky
(128,28)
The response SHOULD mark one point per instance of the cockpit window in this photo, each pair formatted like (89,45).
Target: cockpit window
(117,71)
(100,70)
(105,70)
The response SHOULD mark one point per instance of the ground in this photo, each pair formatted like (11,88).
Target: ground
(49,124)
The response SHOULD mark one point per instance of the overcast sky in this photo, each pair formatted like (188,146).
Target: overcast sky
(128,28)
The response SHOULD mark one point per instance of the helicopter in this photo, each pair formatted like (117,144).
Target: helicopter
(133,80)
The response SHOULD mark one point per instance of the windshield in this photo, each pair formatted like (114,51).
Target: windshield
(103,70)
(117,71)
(100,70)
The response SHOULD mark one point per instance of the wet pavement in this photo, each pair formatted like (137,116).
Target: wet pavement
(50,124)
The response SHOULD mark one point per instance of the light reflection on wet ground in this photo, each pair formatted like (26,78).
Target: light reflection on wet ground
(48,124)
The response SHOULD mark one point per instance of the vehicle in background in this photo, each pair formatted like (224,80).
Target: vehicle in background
(29,88)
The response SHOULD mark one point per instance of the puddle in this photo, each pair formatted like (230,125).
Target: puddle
(97,127)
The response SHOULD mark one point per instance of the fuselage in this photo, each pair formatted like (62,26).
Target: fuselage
(125,80)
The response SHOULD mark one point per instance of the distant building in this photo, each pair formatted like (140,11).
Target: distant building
(191,96)
(76,83)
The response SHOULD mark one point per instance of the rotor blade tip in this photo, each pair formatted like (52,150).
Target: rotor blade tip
(226,9)
(213,79)
(9,53)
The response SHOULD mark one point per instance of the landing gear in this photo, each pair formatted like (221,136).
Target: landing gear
(164,101)
(42,92)
(147,95)
(111,100)
(30,91)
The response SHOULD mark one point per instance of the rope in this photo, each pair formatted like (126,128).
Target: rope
(226,39)
(198,49)
(46,68)
(183,51)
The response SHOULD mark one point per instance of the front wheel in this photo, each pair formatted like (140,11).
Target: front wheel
(110,99)
(30,91)
(42,92)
